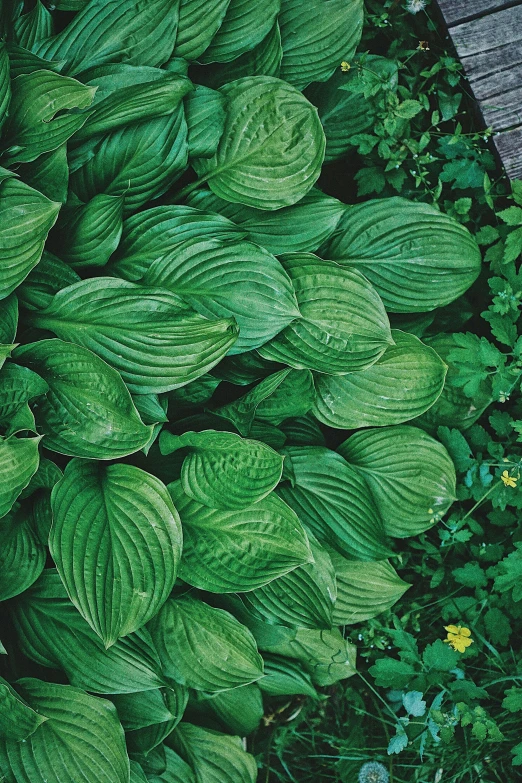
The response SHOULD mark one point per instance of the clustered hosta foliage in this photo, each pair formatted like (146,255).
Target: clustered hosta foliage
(177,537)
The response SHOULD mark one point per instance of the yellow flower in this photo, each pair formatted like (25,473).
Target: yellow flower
(509,481)
(458,637)
(345,67)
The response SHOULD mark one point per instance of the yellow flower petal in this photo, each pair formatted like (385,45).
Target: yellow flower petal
(451,629)
(465,632)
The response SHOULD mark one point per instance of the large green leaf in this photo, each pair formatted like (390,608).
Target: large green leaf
(144,739)
(241,412)
(90,233)
(48,277)
(22,556)
(152,338)
(302,227)
(140,710)
(214,757)
(49,174)
(239,710)
(33,26)
(410,474)
(223,279)
(272,148)
(343,326)
(22,60)
(53,633)
(8,319)
(204,648)
(245,25)
(39,120)
(17,720)
(364,590)
(223,470)
(26,217)
(137,161)
(116,541)
(317,36)
(293,397)
(81,739)
(133,103)
(406,381)
(330,498)
(18,462)
(391,241)
(226,551)
(304,598)
(205,113)
(88,411)
(176,770)
(343,114)
(199,21)
(133,31)
(263,60)
(284,677)
(18,386)
(156,232)
(5,84)
(325,655)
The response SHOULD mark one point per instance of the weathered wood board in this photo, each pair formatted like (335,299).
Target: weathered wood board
(487,35)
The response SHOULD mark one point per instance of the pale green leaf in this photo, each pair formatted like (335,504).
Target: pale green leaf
(88,411)
(116,541)
(203,647)
(391,241)
(402,384)
(226,551)
(154,340)
(272,148)
(410,474)
(26,217)
(223,470)
(343,326)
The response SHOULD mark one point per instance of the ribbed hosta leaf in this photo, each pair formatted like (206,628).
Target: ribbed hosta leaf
(304,598)
(226,551)
(239,710)
(391,241)
(245,24)
(26,217)
(302,227)
(149,335)
(116,541)
(90,233)
(22,556)
(176,770)
(33,26)
(410,474)
(156,232)
(284,677)
(272,148)
(214,757)
(330,498)
(317,36)
(199,21)
(49,174)
(17,719)
(343,326)
(263,60)
(8,319)
(221,279)
(139,710)
(241,412)
(205,648)
(143,740)
(139,162)
(18,385)
(293,397)
(223,470)
(39,120)
(88,411)
(23,61)
(401,385)
(53,633)
(81,738)
(18,462)
(46,279)
(205,114)
(114,31)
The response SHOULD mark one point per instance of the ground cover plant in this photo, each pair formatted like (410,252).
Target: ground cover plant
(235,399)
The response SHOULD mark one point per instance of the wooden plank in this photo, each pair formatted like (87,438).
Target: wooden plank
(456,11)
(489,34)
(509,146)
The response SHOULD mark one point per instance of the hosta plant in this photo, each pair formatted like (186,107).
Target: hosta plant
(186,319)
